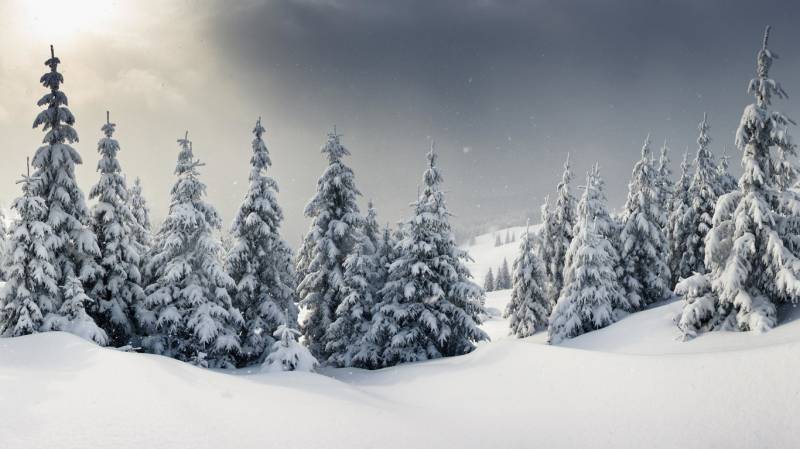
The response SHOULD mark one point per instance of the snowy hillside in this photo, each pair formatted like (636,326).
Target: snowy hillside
(631,385)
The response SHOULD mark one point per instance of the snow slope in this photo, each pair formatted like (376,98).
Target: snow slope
(631,385)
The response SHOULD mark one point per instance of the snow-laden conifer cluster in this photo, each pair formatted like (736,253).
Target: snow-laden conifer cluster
(751,255)
(372,296)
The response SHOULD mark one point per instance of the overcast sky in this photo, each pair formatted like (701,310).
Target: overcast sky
(506,89)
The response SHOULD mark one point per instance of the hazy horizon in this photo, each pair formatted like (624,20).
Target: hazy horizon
(506,89)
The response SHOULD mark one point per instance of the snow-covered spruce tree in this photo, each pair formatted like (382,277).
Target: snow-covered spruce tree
(665,185)
(676,231)
(752,264)
(726,182)
(260,261)
(557,234)
(703,193)
(287,354)
(72,316)
(593,204)
(353,316)
(371,229)
(497,240)
(31,288)
(385,255)
(488,281)
(529,308)
(188,312)
(590,283)
(142,230)
(335,228)
(75,251)
(117,290)
(503,276)
(429,307)
(643,249)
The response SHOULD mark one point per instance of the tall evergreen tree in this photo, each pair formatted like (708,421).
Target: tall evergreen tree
(429,308)
(31,288)
(335,228)
(74,251)
(557,235)
(118,289)
(545,251)
(677,230)
(665,184)
(189,314)
(703,192)
(593,207)
(488,282)
(529,308)
(260,261)
(643,246)
(590,282)
(142,231)
(345,336)
(503,281)
(751,259)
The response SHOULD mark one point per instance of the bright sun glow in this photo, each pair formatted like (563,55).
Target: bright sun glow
(61,20)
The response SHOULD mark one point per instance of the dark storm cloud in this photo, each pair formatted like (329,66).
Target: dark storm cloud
(506,88)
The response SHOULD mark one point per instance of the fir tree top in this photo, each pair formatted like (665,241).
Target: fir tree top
(57,118)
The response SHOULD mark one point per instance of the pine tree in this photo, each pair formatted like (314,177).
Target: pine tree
(353,315)
(287,354)
(189,314)
(593,207)
(142,231)
(677,230)
(488,282)
(665,185)
(508,236)
(557,235)
(260,261)
(31,288)
(75,249)
(497,240)
(750,255)
(529,308)
(586,301)
(385,255)
(335,228)
(429,307)
(371,229)
(72,316)
(727,183)
(643,246)
(503,276)
(703,197)
(118,289)
(545,251)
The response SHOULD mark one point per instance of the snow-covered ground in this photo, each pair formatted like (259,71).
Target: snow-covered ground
(631,385)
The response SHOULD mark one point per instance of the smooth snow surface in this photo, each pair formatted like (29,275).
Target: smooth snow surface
(631,385)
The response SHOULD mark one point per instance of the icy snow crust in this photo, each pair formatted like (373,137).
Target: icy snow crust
(630,385)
